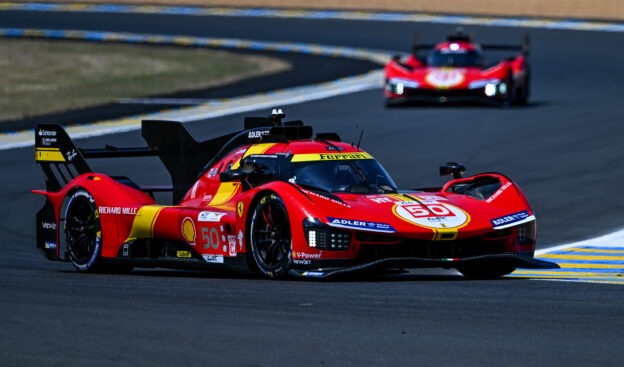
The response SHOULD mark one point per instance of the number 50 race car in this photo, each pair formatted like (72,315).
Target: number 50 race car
(456,71)
(273,199)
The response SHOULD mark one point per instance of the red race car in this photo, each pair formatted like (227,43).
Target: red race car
(456,71)
(273,199)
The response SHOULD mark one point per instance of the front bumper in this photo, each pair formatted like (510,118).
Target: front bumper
(507,259)
(495,94)
(444,99)
(445,96)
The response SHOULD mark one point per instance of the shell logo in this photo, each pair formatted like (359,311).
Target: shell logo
(445,77)
(188,230)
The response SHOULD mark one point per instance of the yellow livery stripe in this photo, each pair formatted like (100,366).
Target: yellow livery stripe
(444,234)
(254,149)
(143,225)
(225,193)
(49,155)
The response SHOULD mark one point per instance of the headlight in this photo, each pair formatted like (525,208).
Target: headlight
(398,85)
(491,87)
(482,83)
(490,90)
(502,88)
(323,237)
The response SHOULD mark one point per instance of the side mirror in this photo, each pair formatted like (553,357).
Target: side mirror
(452,168)
(232,175)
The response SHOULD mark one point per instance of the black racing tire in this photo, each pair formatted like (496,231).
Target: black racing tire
(509,99)
(389,103)
(485,272)
(523,100)
(83,231)
(270,237)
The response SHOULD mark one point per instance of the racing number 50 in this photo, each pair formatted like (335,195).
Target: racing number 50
(418,210)
(210,237)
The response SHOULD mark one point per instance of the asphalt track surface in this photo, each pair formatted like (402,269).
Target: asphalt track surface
(565,150)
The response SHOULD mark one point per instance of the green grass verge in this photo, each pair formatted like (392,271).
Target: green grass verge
(42,76)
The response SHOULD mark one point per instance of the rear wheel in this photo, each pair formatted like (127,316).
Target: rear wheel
(270,237)
(485,272)
(83,231)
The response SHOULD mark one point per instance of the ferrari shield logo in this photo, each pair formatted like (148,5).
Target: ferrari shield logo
(239,208)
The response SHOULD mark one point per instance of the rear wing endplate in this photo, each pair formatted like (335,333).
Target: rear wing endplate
(57,156)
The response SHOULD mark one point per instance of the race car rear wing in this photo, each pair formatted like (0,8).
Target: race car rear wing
(62,161)
(524,48)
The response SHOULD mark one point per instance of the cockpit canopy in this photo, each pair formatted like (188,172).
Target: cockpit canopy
(359,176)
(455,55)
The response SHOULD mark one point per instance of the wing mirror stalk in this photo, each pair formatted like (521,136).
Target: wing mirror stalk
(452,168)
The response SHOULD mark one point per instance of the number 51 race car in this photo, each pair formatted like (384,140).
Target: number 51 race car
(277,200)
(456,71)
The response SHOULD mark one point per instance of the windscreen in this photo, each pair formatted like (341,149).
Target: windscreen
(360,176)
(459,58)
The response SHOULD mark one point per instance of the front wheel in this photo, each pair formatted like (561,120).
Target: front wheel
(525,91)
(510,90)
(83,231)
(270,237)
